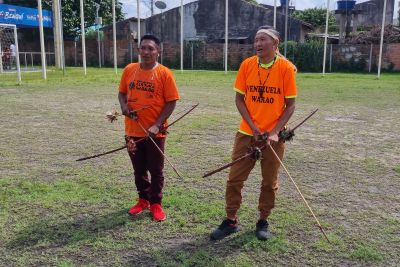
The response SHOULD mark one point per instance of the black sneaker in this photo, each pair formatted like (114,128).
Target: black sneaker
(226,228)
(262,232)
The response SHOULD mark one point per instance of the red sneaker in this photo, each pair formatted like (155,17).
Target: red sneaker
(142,205)
(158,213)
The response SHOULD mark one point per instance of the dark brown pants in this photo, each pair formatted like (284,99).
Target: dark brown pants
(240,171)
(148,159)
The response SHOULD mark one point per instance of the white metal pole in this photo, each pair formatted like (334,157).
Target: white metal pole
(1,59)
(181,35)
(275,14)
(286,26)
(162,53)
(330,58)
(62,56)
(17,54)
(59,34)
(226,36)
(191,56)
(162,38)
(83,37)
(114,37)
(138,26)
(102,52)
(370,59)
(42,51)
(98,32)
(326,38)
(381,45)
(56,31)
(75,60)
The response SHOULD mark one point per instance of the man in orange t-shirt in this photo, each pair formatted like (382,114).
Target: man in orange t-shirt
(147,96)
(265,97)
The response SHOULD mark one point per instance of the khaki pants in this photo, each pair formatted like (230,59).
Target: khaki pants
(240,171)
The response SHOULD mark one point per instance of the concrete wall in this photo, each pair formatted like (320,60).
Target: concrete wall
(393,55)
(244,19)
(206,56)
(124,29)
(352,56)
(205,19)
(357,54)
(125,53)
(167,26)
(371,12)
(126,45)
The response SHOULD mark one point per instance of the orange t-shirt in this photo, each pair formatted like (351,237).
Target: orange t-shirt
(265,91)
(148,90)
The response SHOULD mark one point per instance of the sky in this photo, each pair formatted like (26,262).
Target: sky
(129,6)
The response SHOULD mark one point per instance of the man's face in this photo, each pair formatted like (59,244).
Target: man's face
(264,45)
(148,51)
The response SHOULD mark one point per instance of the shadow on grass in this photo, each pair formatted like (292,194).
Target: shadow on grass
(66,231)
(204,252)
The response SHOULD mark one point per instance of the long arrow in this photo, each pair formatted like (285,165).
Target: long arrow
(125,146)
(229,164)
(298,190)
(287,136)
(158,148)
(109,152)
(183,115)
(303,121)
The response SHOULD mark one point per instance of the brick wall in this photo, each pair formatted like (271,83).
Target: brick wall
(357,54)
(393,55)
(206,55)
(211,55)
(125,52)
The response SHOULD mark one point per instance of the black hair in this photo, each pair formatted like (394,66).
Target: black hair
(150,37)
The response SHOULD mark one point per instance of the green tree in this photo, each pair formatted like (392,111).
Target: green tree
(71,12)
(316,17)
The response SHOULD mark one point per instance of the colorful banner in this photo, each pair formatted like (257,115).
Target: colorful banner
(23,16)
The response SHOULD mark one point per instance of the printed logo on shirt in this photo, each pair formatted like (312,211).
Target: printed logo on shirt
(264,89)
(142,86)
(145,86)
(259,97)
(132,85)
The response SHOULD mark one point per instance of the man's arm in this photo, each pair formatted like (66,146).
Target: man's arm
(123,102)
(241,106)
(164,115)
(284,118)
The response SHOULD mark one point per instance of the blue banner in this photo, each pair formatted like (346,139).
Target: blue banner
(23,16)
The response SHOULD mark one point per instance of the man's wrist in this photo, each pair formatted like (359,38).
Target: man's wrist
(158,124)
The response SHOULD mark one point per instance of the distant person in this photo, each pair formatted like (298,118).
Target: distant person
(149,88)
(6,58)
(2,58)
(265,98)
(13,53)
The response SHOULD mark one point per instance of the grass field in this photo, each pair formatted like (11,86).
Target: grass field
(55,211)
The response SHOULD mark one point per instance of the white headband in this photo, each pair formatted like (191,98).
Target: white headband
(270,33)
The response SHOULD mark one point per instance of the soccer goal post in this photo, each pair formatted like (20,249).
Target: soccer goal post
(9,52)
